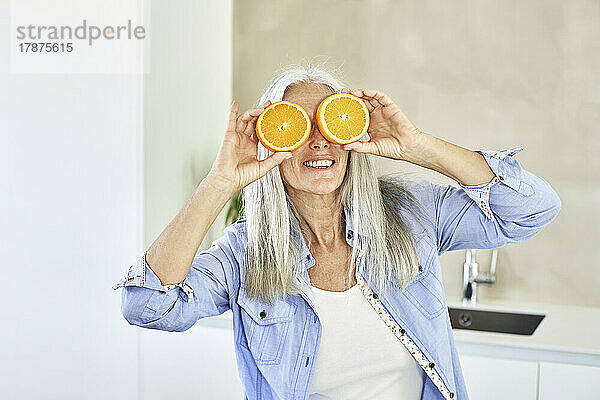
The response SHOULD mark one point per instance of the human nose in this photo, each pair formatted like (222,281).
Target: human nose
(316,139)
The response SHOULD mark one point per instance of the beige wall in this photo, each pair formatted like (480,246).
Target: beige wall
(481,74)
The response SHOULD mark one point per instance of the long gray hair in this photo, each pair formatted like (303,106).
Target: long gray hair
(381,235)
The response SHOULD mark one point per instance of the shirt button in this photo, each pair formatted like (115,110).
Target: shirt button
(375,296)
(349,236)
(403,331)
(500,177)
(431,365)
(420,268)
(263,314)
(451,395)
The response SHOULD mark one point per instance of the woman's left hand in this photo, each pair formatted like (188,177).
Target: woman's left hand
(392,134)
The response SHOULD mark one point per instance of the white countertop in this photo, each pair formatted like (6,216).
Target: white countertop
(565,329)
(568,334)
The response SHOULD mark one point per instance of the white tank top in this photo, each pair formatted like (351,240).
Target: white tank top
(359,357)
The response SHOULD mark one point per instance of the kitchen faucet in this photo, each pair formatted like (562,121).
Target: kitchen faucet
(471,275)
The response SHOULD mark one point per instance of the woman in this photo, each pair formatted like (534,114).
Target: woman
(333,276)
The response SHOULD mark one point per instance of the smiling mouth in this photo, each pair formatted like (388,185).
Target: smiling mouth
(319,167)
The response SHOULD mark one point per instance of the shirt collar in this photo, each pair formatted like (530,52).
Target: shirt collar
(305,257)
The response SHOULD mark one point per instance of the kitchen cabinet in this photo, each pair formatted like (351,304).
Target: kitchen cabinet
(199,363)
(499,379)
(567,381)
(500,365)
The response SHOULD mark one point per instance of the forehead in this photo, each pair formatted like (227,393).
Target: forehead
(307,95)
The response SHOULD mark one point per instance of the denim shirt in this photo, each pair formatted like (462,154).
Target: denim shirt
(276,346)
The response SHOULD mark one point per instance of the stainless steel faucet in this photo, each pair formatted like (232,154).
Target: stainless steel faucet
(472,277)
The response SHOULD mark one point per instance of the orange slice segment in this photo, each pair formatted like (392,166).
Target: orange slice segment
(283,126)
(343,118)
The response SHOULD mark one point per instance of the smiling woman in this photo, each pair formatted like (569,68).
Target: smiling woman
(333,276)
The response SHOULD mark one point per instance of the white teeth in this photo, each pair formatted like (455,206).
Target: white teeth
(320,163)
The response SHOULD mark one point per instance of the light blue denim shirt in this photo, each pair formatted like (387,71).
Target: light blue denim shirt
(276,346)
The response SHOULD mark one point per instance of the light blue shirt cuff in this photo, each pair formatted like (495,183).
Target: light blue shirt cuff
(506,170)
(140,274)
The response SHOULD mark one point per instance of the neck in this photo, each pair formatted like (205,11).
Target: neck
(323,217)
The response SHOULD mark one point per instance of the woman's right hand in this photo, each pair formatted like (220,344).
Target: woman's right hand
(237,165)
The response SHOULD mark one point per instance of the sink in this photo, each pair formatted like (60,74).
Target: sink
(515,322)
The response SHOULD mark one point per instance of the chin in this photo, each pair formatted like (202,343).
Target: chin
(321,189)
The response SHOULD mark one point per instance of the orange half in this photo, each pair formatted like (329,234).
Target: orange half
(343,118)
(283,126)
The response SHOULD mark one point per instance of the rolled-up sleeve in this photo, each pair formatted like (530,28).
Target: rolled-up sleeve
(147,303)
(514,206)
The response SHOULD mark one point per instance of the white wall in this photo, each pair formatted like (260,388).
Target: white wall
(187,96)
(70,222)
(93,168)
